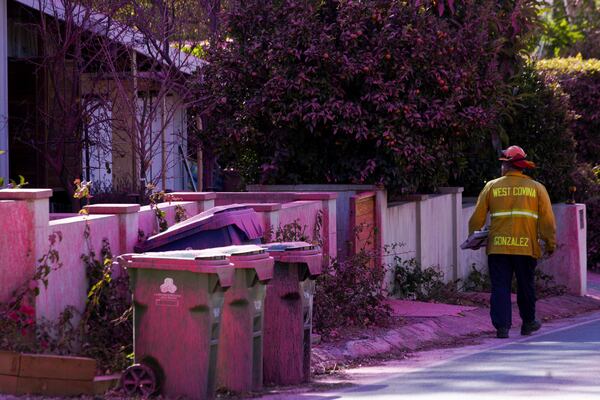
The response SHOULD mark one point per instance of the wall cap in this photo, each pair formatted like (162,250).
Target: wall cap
(112,208)
(316,196)
(312,188)
(193,196)
(450,189)
(25,194)
(263,207)
(414,197)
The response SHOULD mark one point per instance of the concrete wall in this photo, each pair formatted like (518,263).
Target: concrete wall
(68,285)
(274,208)
(16,236)
(304,212)
(568,265)
(432,227)
(426,228)
(468,258)
(27,224)
(344,193)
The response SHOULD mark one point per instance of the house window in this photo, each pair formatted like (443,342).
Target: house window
(97,149)
(155,116)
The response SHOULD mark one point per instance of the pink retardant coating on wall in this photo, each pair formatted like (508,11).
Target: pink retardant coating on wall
(239,365)
(177,309)
(288,313)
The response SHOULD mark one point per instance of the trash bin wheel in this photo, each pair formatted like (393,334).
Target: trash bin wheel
(139,379)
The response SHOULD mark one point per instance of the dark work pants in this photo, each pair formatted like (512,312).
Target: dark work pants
(502,267)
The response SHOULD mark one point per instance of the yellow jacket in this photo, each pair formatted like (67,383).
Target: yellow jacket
(520,211)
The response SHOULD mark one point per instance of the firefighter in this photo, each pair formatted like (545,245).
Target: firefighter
(521,214)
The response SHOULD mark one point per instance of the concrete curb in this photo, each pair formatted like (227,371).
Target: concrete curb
(427,333)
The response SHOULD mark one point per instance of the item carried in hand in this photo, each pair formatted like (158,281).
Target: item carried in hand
(476,240)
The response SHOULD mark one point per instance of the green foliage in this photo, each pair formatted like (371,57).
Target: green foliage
(106,326)
(560,36)
(156,197)
(477,281)
(569,28)
(413,282)
(18,185)
(579,79)
(197,50)
(540,121)
(569,66)
(180,213)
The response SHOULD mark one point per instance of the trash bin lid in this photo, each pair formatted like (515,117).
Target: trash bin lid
(298,252)
(185,255)
(242,217)
(237,250)
(185,260)
(246,257)
(289,246)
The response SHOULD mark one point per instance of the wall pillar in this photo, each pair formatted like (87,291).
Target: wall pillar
(4,173)
(568,264)
(24,237)
(456,193)
(329,228)
(128,215)
(270,216)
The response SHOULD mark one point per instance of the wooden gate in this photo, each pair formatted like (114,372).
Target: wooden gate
(363,223)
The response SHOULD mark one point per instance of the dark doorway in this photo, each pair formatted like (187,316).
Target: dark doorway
(24,101)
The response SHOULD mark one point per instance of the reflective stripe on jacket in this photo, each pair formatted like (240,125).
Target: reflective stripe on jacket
(520,212)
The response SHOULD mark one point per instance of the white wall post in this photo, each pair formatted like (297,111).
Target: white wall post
(4,89)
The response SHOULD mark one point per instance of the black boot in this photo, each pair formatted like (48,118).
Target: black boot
(529,327)
(502,333)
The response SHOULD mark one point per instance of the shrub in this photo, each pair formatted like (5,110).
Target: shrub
(104,331)
(593,232)
(413,282)
(580,79)
(362,92)
(478,280)
(350,293)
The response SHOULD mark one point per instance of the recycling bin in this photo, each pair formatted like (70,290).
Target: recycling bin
(239,360)
(288,312)
(217,227)
(177,309)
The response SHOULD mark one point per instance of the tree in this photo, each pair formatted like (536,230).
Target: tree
(113,87)
(364,92)
(153,84)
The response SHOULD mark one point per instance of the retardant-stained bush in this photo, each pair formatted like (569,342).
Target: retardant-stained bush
(364,92)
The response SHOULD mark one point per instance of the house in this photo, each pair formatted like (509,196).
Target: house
(120,122)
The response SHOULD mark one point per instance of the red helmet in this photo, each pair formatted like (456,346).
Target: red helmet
(516,156)
(513,153)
